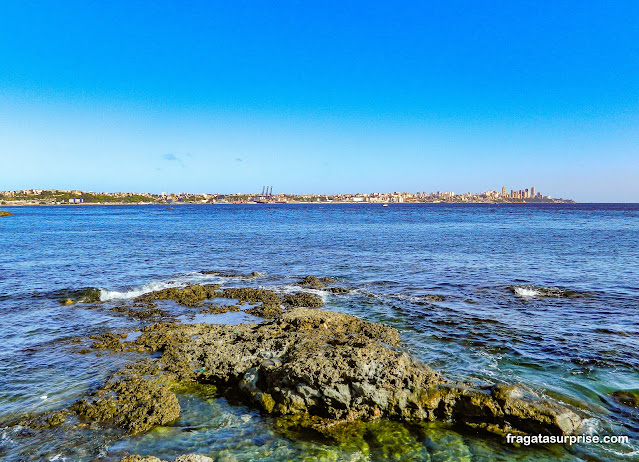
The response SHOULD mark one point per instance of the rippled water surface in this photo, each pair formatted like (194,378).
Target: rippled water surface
(544,295)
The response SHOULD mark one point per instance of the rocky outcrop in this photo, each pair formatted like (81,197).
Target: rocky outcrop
(269,303)
(310,369)
(5,214)
(313,282)
(323,370)
(191,295)
(339,290)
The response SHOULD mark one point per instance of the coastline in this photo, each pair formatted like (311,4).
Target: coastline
(9,204)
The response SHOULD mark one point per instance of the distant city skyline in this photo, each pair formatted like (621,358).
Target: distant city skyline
(364,96)
(77,197)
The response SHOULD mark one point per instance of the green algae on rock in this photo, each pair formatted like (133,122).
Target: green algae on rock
(141,311)
(72,296)
(628,398)
(108,341)
(310,369)
(133,402)
(339,290)
(271,303)
(313,282)
(220,309)
(304,299)
(191,295)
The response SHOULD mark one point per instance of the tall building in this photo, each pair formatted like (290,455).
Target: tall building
(532,192)
(503,191)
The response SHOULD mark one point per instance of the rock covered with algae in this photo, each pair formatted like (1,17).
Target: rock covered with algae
(324,371)
(133,402)
(310,369)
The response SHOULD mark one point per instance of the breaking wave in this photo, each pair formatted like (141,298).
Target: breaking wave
(108,295)
(539,291)
(525,292)
(294,289)
(179,281)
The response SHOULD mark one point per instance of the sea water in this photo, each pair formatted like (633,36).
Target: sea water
(542,295)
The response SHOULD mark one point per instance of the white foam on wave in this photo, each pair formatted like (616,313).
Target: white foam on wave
(179,281)
(590,426)
(526,292)
(294,288)
(107,295)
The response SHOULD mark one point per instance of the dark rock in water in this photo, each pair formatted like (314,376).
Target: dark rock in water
(304,299)
(134,403)
(339,290)
(191,295)
(46,420)
(5,214)
(432,298)
(323,370)
(313,282)
(220,309)
(144,310)
(72,296)
(626,397)
(554,292)
(231,274)
(108,341)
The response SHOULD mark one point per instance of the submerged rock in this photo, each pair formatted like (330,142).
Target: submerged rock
(339,290)
(232,274)
(271,303)
(220,309)
(72,296)
(626,397)
(431,298)
(108,341)
(45,420)
(141,311)
(5,214)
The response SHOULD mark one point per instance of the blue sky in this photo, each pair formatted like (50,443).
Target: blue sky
(321,96)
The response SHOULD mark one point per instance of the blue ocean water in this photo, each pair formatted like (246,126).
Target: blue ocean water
(543,295)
